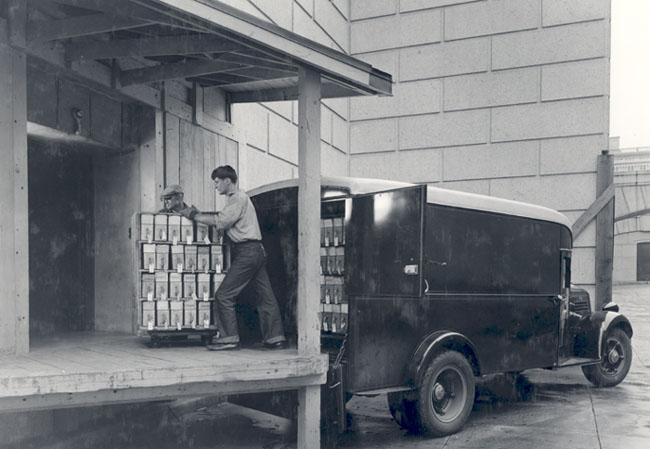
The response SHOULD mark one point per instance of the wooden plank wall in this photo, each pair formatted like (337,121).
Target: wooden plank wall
(191,153)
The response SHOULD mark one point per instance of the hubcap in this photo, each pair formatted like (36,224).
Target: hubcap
(448,394)
(438,392)
(614,357)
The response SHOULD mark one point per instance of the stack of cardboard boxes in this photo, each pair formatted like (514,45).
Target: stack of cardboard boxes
(334,305)
(181,266)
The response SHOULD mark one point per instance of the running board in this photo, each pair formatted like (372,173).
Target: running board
(382,391)
(578,361)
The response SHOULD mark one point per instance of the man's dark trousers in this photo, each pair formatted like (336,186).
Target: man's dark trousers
(248,265)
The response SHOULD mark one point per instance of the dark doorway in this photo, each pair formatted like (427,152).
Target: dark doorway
(61,254)
(643,261)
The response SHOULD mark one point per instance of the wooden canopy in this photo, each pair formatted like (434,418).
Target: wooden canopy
(130,46)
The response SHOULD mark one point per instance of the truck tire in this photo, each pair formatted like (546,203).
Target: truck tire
(445,394)
(404,412)
(615,361)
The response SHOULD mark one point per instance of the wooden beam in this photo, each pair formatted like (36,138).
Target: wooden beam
(288,93)
(158,46)
(172,71)
(309,172)
(605,232)
(148,394)
(583,220)
(50,30)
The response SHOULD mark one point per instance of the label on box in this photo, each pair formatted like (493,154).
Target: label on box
(149,296)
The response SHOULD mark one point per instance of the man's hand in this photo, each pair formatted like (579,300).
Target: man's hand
(189,212)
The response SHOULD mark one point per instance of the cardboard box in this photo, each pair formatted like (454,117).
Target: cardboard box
(190,257)
(323,261)
(148,314)
(204,289)
(203,233)
(178,258)
(174,228)
(339,263)
(322,289)
(337,232)
(175,285)
(217,258)
(147,286)
(162,314)
(149,257)
(327,318)
(190,313)
(326,232)
(335,284)
(344,318)
(217,236)
(189,286)
(162,285)
(176,314)
(187,228)
(336,322)
(162,256)
(331,260)
(146,227)
(344,323)
(203,259)
(205,319)
(160,227)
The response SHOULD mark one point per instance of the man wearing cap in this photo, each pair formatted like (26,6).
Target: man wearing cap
(172,198)
(239,221)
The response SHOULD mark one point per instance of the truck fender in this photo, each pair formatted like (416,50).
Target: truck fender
(431,344)
(611,320)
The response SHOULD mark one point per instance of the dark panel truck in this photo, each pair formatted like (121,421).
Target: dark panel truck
(424,289)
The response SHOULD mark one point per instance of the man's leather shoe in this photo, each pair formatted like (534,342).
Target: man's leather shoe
(277,345)
(223,346)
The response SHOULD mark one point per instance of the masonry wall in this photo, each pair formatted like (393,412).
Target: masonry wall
(508,98)
(271,129)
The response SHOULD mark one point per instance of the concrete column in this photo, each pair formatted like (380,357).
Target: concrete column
(14,232)
(309,93)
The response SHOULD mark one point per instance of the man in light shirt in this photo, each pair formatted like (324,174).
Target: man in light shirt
(239,221)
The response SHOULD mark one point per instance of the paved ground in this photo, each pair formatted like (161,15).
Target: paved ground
(542,409)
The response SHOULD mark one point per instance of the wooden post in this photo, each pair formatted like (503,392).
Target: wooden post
(14,231)
(604,233)
(309,92)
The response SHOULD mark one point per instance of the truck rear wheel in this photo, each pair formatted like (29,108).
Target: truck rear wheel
(446,394)
(615,361)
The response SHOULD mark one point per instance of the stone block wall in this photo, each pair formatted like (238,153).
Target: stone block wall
(271,129)
(508,98)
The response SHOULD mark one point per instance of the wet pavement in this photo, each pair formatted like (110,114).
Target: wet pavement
(550,409)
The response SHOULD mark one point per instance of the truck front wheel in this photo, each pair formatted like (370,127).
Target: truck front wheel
(615,361)
(446,394)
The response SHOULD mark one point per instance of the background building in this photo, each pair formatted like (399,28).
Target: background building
(500,97)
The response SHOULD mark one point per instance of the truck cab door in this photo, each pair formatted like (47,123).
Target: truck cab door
(384,235)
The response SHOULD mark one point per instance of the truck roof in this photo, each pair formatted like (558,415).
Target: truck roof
(435,195)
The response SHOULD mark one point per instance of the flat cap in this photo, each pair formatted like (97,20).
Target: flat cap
(171,190)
